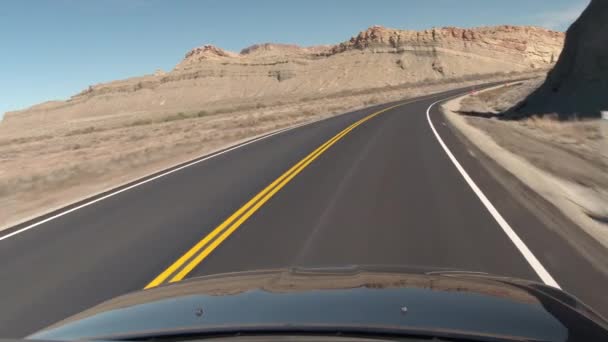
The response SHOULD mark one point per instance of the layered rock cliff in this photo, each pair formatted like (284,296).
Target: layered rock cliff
(578,85)
(533,45)
(374,58)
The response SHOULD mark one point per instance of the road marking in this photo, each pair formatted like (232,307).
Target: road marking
(163,276)
(172,170)
(521,246)
(230,225)
(151,179)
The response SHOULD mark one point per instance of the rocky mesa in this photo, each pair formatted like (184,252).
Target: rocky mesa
(578,85)
(209,76)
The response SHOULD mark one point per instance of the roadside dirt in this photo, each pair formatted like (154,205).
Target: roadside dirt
(45,167)
(566,162)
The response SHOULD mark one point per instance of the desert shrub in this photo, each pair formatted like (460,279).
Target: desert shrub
(141,122)
(242,107)
(371,101)
(308,98)
(222,110)
(174,117)
(86,130)
(24,140)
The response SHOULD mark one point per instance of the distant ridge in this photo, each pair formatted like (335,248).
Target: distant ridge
(375,57)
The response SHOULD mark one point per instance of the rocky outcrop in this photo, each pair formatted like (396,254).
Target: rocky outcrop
(376,57)
(578,85)
(534,45)
(206,52)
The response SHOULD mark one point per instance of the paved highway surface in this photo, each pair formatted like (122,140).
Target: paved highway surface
(374,186)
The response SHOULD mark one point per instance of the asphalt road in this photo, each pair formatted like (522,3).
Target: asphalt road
(382,192)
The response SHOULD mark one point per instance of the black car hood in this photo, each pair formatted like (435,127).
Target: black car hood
(348,299)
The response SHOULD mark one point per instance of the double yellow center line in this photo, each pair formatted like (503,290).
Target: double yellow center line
(177,271)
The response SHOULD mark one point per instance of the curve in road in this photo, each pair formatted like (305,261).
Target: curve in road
(382,191)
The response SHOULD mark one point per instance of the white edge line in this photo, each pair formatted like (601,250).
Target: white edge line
(517,241)
(234,147)
(33,225)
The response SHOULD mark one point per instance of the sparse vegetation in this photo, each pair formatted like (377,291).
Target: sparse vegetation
(93,155)
(85,130)
(23,140)
(178,116)
(371,101)
(570,153)
(141,122)
(202,113)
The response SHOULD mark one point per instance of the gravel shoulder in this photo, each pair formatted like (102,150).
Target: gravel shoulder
(565,162)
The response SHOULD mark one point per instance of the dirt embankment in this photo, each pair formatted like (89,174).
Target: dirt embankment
(578,85)
(549,132)
(566,162)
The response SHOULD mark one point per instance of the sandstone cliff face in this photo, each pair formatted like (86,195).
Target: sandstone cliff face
(376,57)
(578,85)
(207,52)
(533,45)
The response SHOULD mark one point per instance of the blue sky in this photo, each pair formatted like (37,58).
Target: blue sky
(53,49)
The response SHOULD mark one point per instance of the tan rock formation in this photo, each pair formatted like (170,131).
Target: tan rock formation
(377,57)
(578,85)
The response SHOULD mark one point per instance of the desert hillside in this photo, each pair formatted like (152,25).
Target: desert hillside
(210,77)
(58,152)
(557,145)
(578,85)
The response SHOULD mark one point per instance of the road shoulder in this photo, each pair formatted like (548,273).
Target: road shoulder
(537,189)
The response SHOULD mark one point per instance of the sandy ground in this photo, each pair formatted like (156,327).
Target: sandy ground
(566,162)
(45,167)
